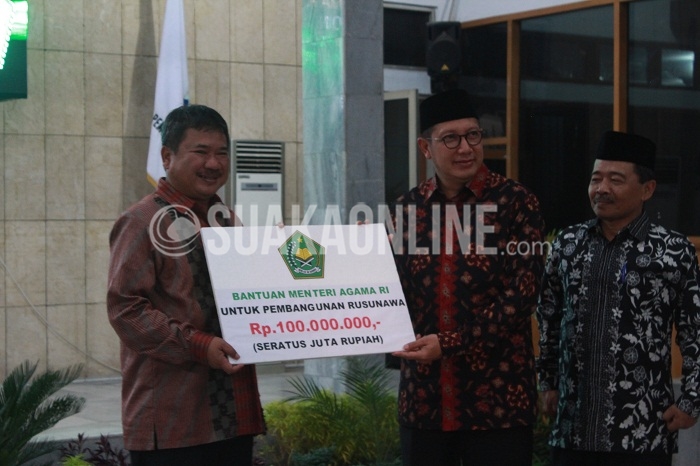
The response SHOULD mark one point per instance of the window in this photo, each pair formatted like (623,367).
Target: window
(483,74)
(664,105)
(563,87)
(566,104)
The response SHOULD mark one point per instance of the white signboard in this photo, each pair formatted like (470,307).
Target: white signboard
(299,292)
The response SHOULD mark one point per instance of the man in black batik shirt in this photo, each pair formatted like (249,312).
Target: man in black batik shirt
(612,290)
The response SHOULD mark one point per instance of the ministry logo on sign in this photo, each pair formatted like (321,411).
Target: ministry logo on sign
(304,257)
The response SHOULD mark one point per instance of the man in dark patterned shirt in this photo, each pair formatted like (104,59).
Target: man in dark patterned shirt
(612,290)
(183,402)
(468,250)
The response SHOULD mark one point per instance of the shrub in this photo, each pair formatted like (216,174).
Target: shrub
(319,457)
(27,409)
(541,449)
(74,461)
(104,455)
(317,426)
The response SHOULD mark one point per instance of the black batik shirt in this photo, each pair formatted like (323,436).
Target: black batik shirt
(479,302)
(606,313)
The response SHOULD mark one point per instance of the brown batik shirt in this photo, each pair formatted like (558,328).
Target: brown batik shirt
(161,305)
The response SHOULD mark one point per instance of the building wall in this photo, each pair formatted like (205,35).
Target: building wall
(73,154)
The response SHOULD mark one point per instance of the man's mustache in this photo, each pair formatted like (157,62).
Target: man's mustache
(603,198)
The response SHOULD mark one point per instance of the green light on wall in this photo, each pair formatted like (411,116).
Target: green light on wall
(13,25)
(20,20)
(14,21)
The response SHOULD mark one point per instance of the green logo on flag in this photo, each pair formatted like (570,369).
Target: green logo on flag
(304,257)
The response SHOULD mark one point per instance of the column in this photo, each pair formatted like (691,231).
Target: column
(343,111)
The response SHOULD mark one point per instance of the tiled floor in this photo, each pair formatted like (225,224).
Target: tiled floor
(101,414)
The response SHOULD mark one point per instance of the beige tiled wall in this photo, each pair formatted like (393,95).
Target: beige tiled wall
(67,340)
(25,259)
(25,176)
(73,154)
(246,37)
(26,339)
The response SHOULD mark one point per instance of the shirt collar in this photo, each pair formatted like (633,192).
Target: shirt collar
(476,185)
(179,201)
(637,228)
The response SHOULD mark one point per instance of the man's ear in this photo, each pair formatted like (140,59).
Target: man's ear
(648,190)
(165,155)
(423,147)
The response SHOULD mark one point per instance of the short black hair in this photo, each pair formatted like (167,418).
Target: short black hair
(644,173)
(199,117)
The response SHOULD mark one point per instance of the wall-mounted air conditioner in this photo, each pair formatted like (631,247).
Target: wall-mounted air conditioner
(257,173)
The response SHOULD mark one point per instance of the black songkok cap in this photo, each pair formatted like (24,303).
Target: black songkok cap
(445,106)
(626,147)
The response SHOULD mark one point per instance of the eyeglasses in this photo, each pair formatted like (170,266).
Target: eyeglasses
(452,141)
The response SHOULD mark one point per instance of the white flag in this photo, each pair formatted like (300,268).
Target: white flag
(172,86)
